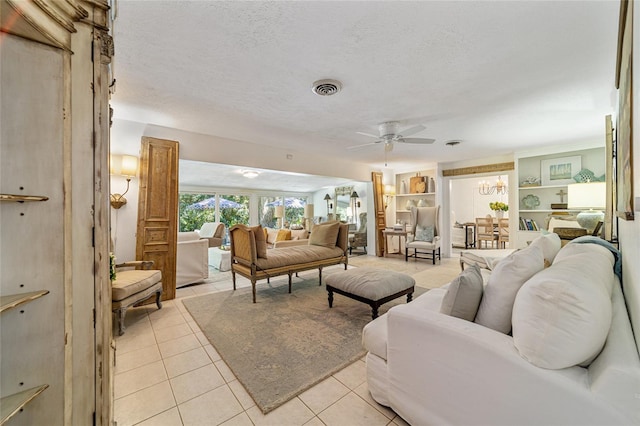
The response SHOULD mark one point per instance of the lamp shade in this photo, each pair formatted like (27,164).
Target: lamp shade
(279,211)
(124,165)
(308,211)
(327,197)
(389,190)
(590,195)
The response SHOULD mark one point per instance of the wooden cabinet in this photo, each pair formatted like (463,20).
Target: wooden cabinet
(55,326)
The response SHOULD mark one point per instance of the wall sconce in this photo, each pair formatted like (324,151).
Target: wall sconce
(499,188)
(327,198)
(389,191)
(123,165)
(279,214)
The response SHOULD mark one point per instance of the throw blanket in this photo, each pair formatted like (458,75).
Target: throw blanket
(617,267)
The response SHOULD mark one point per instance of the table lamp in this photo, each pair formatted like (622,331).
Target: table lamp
(590,197)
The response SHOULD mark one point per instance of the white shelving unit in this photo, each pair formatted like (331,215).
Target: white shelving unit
(403,196)
(592,159)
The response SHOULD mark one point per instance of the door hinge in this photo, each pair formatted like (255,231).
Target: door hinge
(94,317)
(93,236)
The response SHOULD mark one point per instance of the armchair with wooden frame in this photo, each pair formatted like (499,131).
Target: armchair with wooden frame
(359,238)
(132,286)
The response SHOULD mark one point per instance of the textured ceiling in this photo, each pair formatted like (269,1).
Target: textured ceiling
(500,76)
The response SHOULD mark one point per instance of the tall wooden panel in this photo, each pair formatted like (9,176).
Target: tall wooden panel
(378,202)
(158,209)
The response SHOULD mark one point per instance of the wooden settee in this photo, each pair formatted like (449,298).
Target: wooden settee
(254,262)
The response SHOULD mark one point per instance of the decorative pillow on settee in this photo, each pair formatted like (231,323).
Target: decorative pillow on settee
(325,234)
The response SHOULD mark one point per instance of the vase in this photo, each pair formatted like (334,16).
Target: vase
(499,214)
(403,187)
(411,203)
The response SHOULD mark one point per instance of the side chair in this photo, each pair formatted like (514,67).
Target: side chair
(485,231)
(425,237)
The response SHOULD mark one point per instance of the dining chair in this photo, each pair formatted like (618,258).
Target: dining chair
(485,231)
(503,232)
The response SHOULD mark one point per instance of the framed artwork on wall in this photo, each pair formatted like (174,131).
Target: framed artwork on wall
(624,135)
(560,171)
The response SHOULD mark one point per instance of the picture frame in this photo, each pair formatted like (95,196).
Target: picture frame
(624,131)
(560,171)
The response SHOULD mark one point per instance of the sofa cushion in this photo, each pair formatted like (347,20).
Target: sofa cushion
(283,235)
(503,285)
(299,234)
(464,294)
(424,233)
(550,245)
(562,316)
(325,234)
(298,255)
(271,235)
(261,241)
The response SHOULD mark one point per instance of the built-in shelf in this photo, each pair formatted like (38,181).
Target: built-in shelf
(542,187)
(416,193)
(548,211)
(22,198)
(11,404)
(12,300)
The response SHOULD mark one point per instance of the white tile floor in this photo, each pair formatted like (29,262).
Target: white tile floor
(167,373)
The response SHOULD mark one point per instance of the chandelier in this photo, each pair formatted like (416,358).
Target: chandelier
(484,188)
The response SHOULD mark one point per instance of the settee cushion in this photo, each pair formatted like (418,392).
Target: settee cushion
(260,237)
(133,281)
(550,245)
(325,234)
(561,316)
(503,285)
(464,294)
(304,254)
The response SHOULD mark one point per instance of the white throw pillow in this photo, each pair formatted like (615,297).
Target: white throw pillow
(464,294)
(562,316)
(503,285)
(550,245)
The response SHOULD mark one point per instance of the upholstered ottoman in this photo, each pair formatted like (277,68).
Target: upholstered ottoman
(374,287)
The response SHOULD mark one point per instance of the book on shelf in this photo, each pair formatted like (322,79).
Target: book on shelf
(528,225)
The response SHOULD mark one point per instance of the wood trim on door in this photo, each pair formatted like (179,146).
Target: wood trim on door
(157,232)
(378,202)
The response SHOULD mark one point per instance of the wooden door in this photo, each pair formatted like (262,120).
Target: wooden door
(378,202)
(158,209)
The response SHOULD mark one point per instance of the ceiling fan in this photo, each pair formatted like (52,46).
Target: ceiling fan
(390,134)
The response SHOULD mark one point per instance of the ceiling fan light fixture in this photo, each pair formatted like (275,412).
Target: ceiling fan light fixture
(326,87)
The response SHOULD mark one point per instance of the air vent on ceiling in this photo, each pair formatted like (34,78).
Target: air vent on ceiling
(326,87)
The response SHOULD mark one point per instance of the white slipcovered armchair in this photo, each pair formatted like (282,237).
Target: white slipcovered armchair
(192,259)
(424,238)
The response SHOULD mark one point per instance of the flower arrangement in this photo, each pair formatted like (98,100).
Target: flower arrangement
(498,206)
(112,267)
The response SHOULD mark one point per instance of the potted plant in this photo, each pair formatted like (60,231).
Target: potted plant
(499,208)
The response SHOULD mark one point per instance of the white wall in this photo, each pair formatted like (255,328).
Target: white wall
(466,201)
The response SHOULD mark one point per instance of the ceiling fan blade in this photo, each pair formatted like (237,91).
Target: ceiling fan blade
(368,134)
(412,130)
(349,148)
(416,140)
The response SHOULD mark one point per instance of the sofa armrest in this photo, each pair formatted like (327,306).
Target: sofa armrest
(445,370)
(192,261)
(243,245)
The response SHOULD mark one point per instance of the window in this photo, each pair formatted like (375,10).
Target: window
(266,211)
(194,210)
(234,209)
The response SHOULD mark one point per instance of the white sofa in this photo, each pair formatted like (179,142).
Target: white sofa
(192,259)
(432,368)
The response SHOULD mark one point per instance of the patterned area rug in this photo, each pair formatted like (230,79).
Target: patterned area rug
(285,343)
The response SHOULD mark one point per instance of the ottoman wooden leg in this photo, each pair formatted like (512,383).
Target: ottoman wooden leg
(374,310)
(409,297)
(330,297)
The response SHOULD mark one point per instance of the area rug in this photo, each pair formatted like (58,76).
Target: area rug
(285,343)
